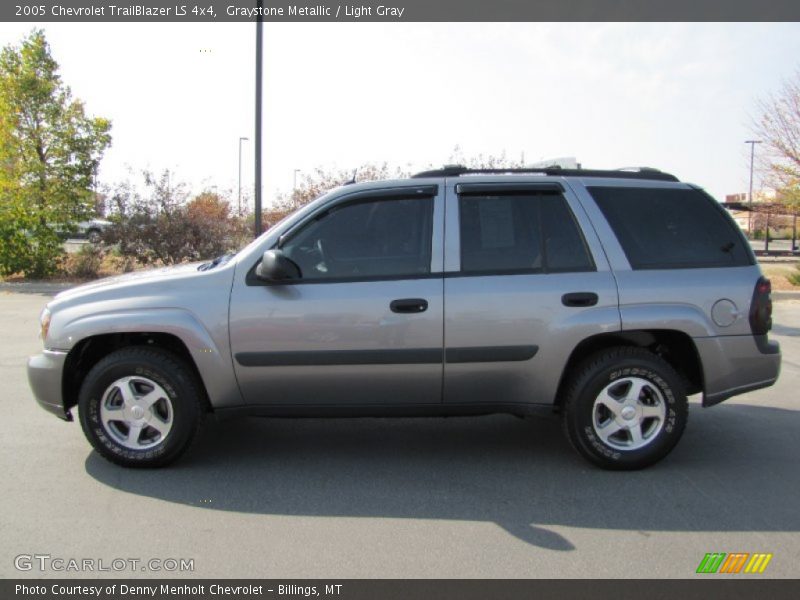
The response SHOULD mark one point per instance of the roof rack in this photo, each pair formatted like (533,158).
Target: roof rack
(627,173)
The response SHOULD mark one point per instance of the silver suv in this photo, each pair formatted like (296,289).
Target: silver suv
(608,296)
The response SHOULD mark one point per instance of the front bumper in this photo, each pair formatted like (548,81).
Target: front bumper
(45,373)
(737,364)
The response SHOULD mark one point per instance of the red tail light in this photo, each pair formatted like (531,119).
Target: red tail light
(761,307)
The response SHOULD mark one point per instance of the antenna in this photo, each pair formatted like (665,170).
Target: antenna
(352,180)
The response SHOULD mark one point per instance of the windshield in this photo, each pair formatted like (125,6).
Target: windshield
(296,214)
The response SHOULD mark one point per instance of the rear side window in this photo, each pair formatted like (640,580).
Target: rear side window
(531,232)
(663,228)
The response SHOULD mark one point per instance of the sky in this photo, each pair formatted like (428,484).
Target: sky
(676,96)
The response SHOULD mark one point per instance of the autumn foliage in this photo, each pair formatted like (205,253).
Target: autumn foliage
(157,222)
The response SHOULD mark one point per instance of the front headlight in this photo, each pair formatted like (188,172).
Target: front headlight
(44,323)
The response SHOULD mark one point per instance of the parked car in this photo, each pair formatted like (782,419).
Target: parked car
(91,230)
(608,296)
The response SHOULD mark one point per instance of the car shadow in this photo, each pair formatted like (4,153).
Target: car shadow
(734,470)
(778,329)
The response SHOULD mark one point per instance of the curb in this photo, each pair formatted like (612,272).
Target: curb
(35,287)
(785,295)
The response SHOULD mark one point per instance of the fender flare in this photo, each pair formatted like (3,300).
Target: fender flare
(214,365)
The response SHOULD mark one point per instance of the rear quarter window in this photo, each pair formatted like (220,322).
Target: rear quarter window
(672,228)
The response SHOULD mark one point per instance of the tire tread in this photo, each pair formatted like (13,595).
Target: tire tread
(582,376)
(170,364)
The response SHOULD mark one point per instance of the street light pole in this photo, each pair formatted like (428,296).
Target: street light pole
(259,52)
(294,185)
(241,139)
(750,197)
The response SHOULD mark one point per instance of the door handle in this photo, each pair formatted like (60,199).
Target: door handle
(579,299)
(409,305)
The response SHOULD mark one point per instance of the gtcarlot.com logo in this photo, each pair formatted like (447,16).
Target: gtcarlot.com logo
(734,562)
(47,563)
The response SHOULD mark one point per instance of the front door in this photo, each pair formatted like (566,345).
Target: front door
(364,323)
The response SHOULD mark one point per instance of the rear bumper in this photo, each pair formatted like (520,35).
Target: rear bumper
(44,376)
(737,364)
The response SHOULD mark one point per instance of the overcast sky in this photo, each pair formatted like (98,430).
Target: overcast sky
(678,97)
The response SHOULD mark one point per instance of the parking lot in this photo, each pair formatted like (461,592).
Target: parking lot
(461,497)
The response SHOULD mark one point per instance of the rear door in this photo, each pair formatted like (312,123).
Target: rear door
(526,281)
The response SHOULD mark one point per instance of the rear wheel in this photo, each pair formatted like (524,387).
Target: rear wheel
(625,409)
(140,407)
(94,236)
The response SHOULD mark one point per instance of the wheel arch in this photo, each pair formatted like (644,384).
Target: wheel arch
(90,350)
(178,330)
(675,347)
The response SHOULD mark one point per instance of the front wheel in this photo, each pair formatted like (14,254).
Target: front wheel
(140,407)
(626,408)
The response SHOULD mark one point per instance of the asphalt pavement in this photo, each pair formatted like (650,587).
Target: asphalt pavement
(399,498)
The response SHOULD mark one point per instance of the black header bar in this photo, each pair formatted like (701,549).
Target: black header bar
(152,11)
(701,588)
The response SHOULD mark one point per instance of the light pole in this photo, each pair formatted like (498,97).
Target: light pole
(241,139)
(750,197)
(259,91)
(294,185)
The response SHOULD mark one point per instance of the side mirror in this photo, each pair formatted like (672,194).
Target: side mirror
(276,266)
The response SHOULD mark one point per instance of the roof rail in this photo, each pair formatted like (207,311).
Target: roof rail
(627,173)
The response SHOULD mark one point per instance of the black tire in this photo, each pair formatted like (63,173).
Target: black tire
(183,393)
(94,236)
(662,387)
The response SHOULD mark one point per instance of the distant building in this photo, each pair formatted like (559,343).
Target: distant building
(731,198)
(737,204)
(741,218)
(759,196)
(769,208)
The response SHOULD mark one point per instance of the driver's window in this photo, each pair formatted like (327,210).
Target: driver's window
(366,239)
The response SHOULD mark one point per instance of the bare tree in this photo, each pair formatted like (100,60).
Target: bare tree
(320,181)
(778,126)
(484,161)
(314,184)
(157,222)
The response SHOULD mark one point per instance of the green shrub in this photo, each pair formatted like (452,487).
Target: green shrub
(26,245)
(114,263)
(784,233)
(794,278)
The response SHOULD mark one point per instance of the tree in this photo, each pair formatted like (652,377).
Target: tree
(213,228)
(483,161)
(49,154)
(156,221)
(320,181)
(778,127)
(149,219)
